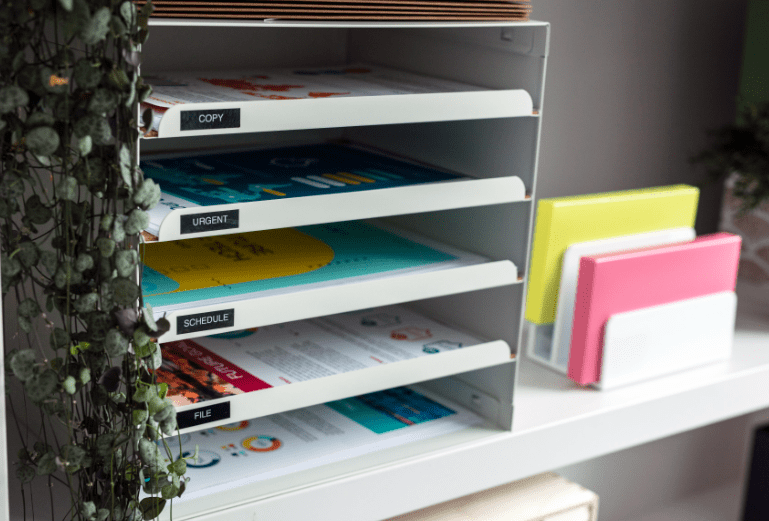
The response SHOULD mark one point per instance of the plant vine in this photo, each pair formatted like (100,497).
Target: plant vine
(73,202)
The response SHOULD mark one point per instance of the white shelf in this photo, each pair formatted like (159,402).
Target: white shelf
(303,114)
(317,209)
(556,424)
(343,297)
(721,503)
(353,383)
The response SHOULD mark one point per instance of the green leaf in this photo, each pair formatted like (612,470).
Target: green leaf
(87,74)
(142,394)
(47,464)
(87,303)
(106,246)
(11,98)
(125,166)
(67,188)
(169,491)
(85,375)
(178,467)
(148,194)
(69,385)
(96,28)
(150,454)
(25,474)
(9,266)
(118,79)
(117,26)
(125,262)
(95,126)
(37,212)
(38,119)
(115,344)
(23,364)
(137,221)
(84,262)
(60,339)
(29,308)
(42,141)
(88,511)
(104,444)
(85,145)
(156,404)
(66,4)
(162,390)
(118,230)
(29,254)
(141,341)
(125,291)
(140,416)
(24,323)
(41,386)
(128,12)
(102,101)
(49,259)
(102,514)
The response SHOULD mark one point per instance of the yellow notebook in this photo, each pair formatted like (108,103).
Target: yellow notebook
(563,221)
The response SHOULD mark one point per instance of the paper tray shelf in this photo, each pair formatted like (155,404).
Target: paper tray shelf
(300,211)
(280,115)
(341,298)
(353,383)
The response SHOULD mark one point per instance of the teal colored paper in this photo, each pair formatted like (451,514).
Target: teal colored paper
(359,249)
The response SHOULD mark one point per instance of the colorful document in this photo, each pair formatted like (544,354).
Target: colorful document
(617,282)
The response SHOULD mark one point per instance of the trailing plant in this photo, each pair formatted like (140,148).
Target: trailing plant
(73,202)
(742,149)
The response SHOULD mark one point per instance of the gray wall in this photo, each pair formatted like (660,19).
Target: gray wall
(632,85)
(631,88)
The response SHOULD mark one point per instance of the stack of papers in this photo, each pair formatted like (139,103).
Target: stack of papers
(241,453)
(467,10)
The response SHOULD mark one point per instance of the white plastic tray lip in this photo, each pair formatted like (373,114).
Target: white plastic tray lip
(354,383)
(568,285)
(343,298)
(354,111)
(720,312)
(352,206)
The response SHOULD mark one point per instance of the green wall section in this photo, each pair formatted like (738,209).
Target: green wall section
(754,83)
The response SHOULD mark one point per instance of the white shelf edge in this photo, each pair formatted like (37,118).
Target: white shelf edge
(352,206)
(186,22)
(345,297)
(556,424)
(354,383)
(353,111)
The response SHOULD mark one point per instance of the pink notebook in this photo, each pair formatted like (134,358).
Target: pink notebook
(617,282)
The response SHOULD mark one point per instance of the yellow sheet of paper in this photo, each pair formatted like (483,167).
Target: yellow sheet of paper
(230,259)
